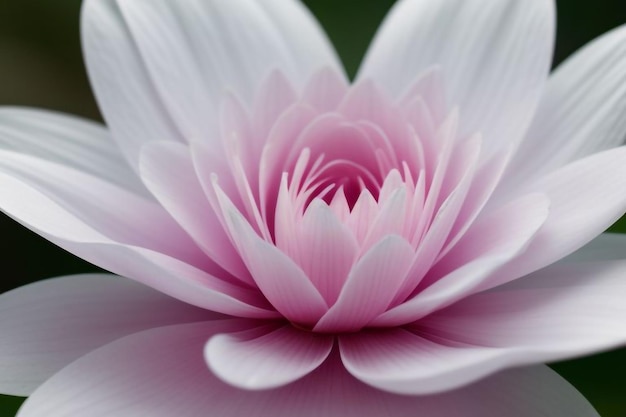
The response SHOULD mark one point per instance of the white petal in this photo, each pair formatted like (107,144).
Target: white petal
(168,171)
(73,227)
(66,140)
(49,324)
(160,373)
(494,55)
(586,197)
(582,111)
(560,312)
(160,67)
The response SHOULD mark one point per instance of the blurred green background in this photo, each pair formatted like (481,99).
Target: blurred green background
(41,66)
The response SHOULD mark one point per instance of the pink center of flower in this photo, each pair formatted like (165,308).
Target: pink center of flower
(367,197)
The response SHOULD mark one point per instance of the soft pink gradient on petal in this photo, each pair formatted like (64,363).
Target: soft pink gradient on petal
(158,373)
(47,325)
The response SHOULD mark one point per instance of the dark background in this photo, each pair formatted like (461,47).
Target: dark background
(41,66)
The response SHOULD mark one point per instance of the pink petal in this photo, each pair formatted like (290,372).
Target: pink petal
(160,271)
(556,313)
(586,197)
(494,55)
(324,248)
(82,201)
(325,90)
(492,241)
(167,170)
(266,357)
(282,282)
(370,287)
(160,373)
(49,324)
(406,362)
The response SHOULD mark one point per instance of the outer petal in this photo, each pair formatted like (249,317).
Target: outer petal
(66,140)
(559,312)
(49,324)
(266,357)
(168,172)
(586,197)
(495,56)
(160,373)
(71,218)
(160,67)
(582,111)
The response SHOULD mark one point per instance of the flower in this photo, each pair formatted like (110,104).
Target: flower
(326,246)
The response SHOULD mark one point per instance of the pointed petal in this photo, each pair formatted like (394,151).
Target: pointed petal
(283,283)
(560,312)
(168,172)
(494,55)
(491,242)
(49,324)
(582,111)
(76,233)
(159,67)
(266,357)
(104,207)
(325,249)
(67,140)
(143,373)
(370,287)
(586,197)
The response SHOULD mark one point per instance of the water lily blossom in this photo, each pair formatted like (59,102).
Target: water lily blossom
(416,242)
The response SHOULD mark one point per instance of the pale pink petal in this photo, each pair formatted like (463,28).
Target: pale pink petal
(67,140)
(115,212)
(172,276)
(408,362)
(161,373)
(167,170)
(266,357)
(49,324)
(560,312)
(370,287)
(160,67)
(324,248)
(279,278)
(494,56)
(582,111)
(492,241)
(586,197)
(325,89)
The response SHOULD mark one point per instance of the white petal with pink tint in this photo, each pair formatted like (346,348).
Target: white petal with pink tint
(370,287)
(68,140)
(491,242)
(266,357)
(494,55)
(586,197)
(160,271)
(283,283)
(582,111)
(563,311)
(324,248)
(130,49)
(159,373)
(164,166)
(49,324)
